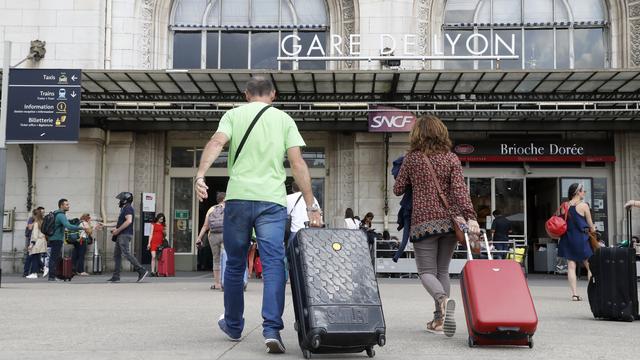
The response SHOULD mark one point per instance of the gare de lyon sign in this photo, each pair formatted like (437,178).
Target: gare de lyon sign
(477,45)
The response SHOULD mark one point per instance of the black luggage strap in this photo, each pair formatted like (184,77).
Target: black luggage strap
(294,205)
(246,134)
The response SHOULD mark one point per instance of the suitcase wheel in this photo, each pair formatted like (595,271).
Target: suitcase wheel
(382,339)
(315,342)
(370,352)
(530,342)
(472,343)
(306,354)
(295,326)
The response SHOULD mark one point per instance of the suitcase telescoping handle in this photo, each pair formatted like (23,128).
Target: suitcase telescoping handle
(486,244)
(629,227)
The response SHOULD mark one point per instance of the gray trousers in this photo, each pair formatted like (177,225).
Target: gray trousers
(122,248)
(433,256)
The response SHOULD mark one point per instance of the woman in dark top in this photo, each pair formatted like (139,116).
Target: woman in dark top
(574,244)
(432,231)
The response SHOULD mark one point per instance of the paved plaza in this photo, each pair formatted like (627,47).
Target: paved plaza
(174,318)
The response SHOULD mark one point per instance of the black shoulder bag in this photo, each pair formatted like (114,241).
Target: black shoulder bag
(246,134)
(287,227)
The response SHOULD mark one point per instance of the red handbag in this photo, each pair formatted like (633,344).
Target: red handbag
(556,226)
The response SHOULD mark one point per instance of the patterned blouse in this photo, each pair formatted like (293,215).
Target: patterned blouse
(429,216)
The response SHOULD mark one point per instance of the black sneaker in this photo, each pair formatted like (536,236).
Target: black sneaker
(142,274)
(274,344)
(114,279)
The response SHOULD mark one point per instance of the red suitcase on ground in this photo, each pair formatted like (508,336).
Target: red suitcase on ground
(65,269)
(166,264)
(497,302)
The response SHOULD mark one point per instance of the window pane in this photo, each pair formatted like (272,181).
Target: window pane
(286,65)
(538,53)
(510,200)
(588,48)
(314,157)
(264,50)
(562,49)
(460,11)
(306,37)
(212,50)
(264,12)
(187,48)
(561,13)
(480,191)
(182,157)
(311,12)
(587,10)
(220,162)
(235,12)
(507,11)
(317,185)
(483,15)
(460,48)
(538,11)
(234,50)
(507,36)
(189,12)
(181,217)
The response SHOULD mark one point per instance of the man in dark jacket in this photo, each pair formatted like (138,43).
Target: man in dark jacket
(404,214)
(122,235)
(56,240)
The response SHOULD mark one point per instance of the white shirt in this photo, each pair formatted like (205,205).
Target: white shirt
(299,213)
(352,224)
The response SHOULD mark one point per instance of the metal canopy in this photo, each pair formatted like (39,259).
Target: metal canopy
(341,100)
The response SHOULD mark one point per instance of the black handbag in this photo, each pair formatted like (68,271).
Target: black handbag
(287,227)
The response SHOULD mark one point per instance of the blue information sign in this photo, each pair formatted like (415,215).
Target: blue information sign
(44,106)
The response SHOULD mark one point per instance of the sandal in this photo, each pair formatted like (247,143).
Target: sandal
(215,287)
(576,298)
(435,327)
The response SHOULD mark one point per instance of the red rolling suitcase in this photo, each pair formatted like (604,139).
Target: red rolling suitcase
(166,264)
(65,269)
(497,302)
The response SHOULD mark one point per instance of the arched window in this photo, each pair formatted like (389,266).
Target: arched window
(244,34)
(546,34)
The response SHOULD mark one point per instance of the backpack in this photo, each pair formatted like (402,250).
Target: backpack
(49,224)
(216,219)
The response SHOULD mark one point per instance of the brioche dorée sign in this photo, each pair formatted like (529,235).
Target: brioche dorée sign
(389,119)
(534,151)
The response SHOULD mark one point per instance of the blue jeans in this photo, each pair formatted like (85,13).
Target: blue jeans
(269,220)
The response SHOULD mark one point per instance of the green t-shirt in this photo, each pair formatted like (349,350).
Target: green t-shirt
(259,174)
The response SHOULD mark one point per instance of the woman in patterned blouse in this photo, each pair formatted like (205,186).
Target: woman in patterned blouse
(432,231)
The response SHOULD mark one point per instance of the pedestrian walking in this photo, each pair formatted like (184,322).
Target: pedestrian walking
(122,235)
(350,221)
(155,241)
(37,245)
(574,244)
(259,137)
(214,225)
(435,176)
(501,227)
(56,240)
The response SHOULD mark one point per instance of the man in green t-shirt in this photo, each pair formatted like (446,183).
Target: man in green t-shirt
(256,198)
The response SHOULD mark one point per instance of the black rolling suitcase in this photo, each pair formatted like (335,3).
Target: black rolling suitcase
(335,292)
(613,289)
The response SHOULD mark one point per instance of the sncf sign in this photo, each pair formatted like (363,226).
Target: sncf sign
(391,120)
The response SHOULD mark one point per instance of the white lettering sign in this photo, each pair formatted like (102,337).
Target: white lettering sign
(396,121)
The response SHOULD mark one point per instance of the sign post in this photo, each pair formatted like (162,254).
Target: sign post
(3,146)
(44,106)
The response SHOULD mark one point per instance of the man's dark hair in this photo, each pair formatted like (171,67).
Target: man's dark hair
(497,212)
(294,187)
(220,197)
(259,86)
(61,201)
(40,208)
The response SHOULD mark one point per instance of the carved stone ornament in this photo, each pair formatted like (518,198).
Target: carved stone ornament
(634,45)
(146,39)
(422,30)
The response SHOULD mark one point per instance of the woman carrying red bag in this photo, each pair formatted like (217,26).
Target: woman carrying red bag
(574,244)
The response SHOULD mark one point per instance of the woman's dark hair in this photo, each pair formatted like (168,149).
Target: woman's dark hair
(369,215)
(348,214)
(161,215)
(573,190)
(386,235)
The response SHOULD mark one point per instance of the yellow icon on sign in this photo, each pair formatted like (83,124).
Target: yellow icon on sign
(60,122)
(336,246)
(61,107)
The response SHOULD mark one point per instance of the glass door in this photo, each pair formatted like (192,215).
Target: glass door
(182,214)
